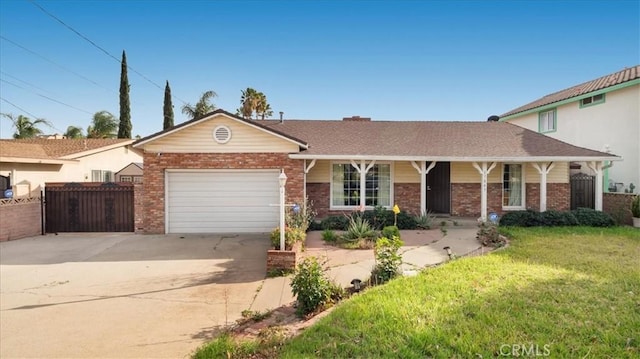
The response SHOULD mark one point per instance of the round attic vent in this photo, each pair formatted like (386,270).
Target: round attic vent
(222,134)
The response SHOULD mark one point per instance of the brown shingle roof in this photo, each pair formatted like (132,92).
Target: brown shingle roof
(54,148)
(628,74)
(426,139)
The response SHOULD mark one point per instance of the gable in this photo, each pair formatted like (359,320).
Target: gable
(199,138)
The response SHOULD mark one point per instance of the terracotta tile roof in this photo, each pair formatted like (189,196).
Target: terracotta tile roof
(54,148)
(628,74)
(425,139)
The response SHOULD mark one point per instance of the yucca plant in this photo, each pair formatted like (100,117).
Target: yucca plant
(359,228)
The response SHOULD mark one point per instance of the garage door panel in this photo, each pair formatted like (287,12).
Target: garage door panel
(222,202)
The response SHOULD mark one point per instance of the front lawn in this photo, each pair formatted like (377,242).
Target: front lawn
(563,292)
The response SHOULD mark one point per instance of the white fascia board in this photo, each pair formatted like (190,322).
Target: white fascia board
(97,150)
(455,159)
(140,144)
(50,161)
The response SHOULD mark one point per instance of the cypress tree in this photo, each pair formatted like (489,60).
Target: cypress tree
(168,108)
(124,129)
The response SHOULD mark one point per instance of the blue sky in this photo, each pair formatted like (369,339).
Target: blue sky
(389,60)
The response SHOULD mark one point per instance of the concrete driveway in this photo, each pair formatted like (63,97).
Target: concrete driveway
(123,295)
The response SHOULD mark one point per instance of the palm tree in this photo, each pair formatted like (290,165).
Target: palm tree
(202,107)
(25,128)
(248,102)
(263,108)
(73,132)
(103,125)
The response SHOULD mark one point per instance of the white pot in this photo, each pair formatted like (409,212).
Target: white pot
(636,222)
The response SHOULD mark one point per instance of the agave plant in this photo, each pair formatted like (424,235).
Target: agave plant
(359,228)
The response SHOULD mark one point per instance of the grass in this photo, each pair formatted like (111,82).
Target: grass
(572,291)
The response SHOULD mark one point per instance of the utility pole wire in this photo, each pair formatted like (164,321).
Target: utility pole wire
(47,97)
(98,47)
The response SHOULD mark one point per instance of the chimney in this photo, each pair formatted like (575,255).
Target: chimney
(357,119)
(281,113)
(493,118)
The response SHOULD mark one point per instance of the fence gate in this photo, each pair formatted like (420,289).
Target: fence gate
(89,207)
(583,191)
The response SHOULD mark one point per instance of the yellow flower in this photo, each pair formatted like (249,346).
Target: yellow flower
(396,209)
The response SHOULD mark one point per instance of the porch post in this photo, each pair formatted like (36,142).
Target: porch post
(598,168)
(423,170)
(543,168)
(304,187)
(362,170)
(484,170)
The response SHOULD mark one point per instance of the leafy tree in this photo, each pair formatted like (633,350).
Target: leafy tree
(73,132)
(25,127)
(104,125)
(167,108)
(124,130)
(202,107)
(253,101)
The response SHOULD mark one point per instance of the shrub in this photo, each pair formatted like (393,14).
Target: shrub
(310,286)
(425,221)
(593,218)
(302,218)
(388,261)
(526,218)
(315,226)
(359,228)
(390,232)
(338,223)
(379,217)
(489,236)
(291,236)
(406,221)
(328,235)
(635,206)
(553,218)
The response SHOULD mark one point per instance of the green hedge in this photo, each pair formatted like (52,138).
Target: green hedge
(552,218)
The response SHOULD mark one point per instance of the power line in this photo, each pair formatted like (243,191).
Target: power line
(99,47)
(47,97)
(30,114)
(22,81)
(52,62)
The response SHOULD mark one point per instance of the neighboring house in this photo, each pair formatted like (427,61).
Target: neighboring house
(220,173)
(30,163)
(131,173)
(602,114)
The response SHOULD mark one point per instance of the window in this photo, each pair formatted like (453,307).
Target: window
(346,186)
(513,186)
(101,176)
(125,179)
(593,100)
(137,179)
(547,121)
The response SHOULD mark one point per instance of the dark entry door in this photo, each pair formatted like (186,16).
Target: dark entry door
(439,188)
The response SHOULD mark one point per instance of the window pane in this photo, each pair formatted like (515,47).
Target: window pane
(96,176)
(512,185)
(338,185)
(346,186)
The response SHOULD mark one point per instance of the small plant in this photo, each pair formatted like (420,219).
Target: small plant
(396,210)
(300,217)
(444,231)
(328,235)
(359,228)
(278,272)
(310,286)
(256,316)
(388,261)
(390,232)
(338,223)
(291,236)
(489,236)
(425,221)
(443,223)
(635,206)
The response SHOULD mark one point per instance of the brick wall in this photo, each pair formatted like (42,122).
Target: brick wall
(618,205)
(465,199)
(407,197)
(138,207)
(20,218)
(319,196)
(155,166)
(558,196)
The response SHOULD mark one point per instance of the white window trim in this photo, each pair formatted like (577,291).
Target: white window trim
(122,178)
(555,121)
(332,207)
(523,189)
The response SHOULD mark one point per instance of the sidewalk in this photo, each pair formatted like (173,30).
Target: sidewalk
(422,248)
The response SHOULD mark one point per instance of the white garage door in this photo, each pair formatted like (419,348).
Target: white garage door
(222,201)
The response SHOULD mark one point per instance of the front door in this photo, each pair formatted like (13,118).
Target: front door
(439,188)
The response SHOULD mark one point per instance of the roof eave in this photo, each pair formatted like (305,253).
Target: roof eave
(48,161)
(455,159)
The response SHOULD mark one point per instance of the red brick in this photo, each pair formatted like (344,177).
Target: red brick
(20,220)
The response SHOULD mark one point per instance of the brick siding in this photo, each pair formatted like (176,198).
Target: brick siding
(407,197)
(138,207)
(20,220)
(155,165)
(618,205)
(558,196)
